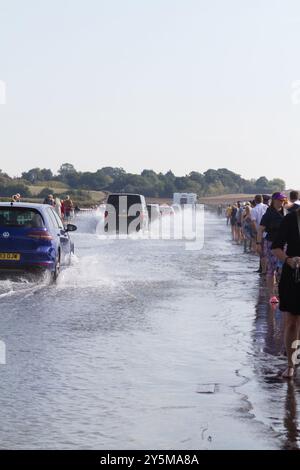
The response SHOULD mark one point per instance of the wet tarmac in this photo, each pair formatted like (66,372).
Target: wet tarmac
(143,344)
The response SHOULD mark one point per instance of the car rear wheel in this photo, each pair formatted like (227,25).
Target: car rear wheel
(56,271)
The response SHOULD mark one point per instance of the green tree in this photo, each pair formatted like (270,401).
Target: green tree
(276,184)
(66,170)
(37,174)
(262,185)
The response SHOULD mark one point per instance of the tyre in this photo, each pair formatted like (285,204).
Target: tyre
(56,271)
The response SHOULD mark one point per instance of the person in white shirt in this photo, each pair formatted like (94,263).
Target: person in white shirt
(57,206)
(256,215)
(257,212)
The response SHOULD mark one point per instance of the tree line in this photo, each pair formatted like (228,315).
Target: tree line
(148,182)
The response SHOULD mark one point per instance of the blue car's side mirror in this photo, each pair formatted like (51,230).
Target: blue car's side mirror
(71,228)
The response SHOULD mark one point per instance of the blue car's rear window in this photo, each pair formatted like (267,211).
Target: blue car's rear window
(20,217)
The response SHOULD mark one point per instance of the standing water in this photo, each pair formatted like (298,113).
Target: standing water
(143,344)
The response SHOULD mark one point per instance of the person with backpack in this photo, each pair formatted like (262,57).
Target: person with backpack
(68,208)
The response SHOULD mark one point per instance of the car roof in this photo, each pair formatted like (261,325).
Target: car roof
(125,194)
(25,205)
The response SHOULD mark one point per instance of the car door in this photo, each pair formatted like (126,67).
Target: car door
(62,234)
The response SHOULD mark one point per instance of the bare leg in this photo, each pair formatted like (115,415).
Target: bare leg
(271,284)
(264,262)
(240,236)
(235,234)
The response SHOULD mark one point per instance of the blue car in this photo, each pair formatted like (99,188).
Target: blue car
(33,237)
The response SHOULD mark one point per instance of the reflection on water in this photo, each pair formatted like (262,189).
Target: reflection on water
(268,323)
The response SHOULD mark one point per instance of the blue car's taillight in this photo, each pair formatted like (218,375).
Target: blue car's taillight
(39,234)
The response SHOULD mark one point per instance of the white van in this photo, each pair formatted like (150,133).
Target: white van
(184,198)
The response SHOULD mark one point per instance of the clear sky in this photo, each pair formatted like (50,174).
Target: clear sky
(162,84)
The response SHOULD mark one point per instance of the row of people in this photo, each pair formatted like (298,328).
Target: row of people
(64,207)
(272,226)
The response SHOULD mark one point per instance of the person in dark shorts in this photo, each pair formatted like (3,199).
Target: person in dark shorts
(289,285)
(239,222)
(233,222)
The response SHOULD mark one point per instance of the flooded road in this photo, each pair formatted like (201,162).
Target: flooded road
(145,345)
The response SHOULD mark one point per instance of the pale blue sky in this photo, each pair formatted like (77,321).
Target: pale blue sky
(186,85)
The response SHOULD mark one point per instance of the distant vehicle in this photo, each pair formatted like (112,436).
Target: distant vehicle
(153,212)
(166,210)
(184,198)
(33,237)
(126,213)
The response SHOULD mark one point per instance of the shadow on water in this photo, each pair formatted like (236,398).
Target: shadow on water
(279,397)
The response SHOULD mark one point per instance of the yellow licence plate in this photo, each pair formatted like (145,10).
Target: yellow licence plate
(10,257)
